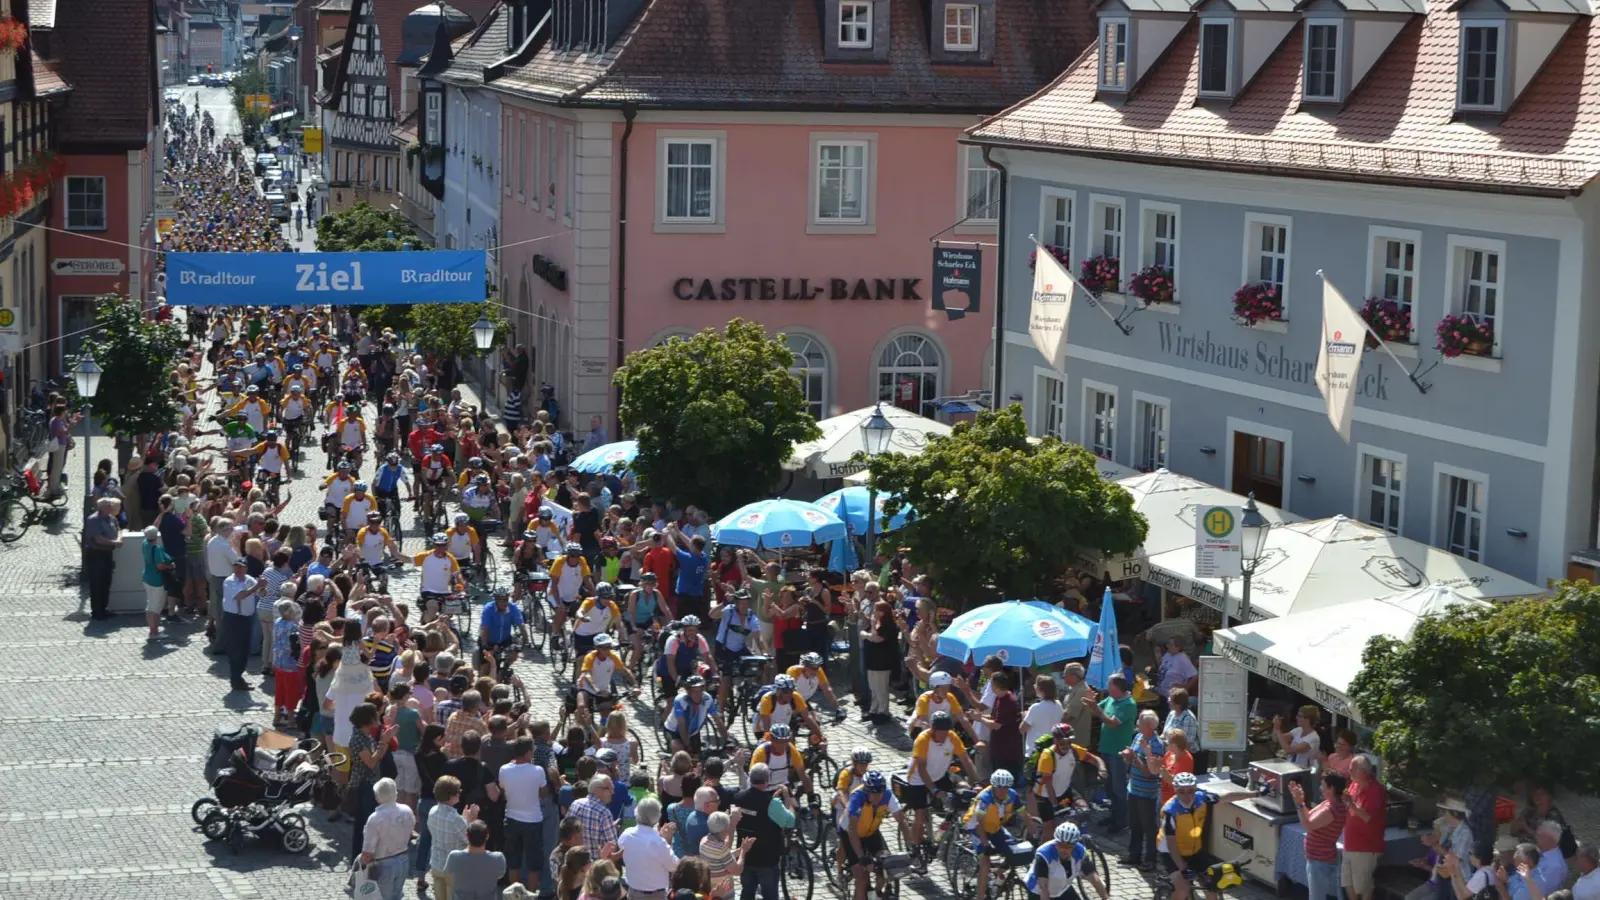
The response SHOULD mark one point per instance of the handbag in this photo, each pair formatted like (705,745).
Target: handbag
(361,886)
(350,803)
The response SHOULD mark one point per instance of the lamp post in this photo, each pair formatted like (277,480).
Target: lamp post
(1254,527)
(875,434)
(483,334)
(86,377)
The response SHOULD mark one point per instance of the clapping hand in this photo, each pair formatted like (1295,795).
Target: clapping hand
(1298,792)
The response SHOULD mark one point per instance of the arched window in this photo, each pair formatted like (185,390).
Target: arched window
(673,336)
(909,370)
(811,370)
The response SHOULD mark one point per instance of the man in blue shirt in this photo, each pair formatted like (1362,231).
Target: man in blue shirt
(387,480)
(500,622)
(692,564)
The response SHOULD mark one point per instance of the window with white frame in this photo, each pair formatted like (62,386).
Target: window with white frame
(855,25)
(1050,416)
(571,205)
(1216,57)
(841,182)
(1481,65)
(1382,491)
(810,369)
(1150,448)
(1322,61)
(981,187)
(960,26)
(1463,506)
(1161,238)
(1100,422)
(1479,277)
(1395,269)
(1055,221)
(1107,223)
(910,370)
(1267,259)
(690,179)
(86,203)
(1114,54)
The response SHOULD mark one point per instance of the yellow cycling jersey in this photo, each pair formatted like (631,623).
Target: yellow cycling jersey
(769,705)
(869,816)
(991,810)
(848,780)
(763,754)
(927,705)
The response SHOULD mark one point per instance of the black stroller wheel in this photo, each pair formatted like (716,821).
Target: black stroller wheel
(215,824)
(200,808)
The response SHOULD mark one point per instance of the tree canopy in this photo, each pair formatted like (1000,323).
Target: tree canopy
(446,328)
(364,227)
(996,512)
(137,355)
(1490,696)
(715,415)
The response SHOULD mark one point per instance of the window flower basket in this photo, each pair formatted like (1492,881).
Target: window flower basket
(1153,284)
(1460,333)
(1389,320)
(477,160)
(13,34)
(432,153)
(1057,252)
(1099,274)
(1257,302)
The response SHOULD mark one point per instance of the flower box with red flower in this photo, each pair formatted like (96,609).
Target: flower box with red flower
(1388,318)
(1258,301)
(1057,252)
(13,34)
(1153,284)
(1100,274)
(1460,333)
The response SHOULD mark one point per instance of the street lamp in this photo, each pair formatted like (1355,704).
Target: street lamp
(483,334)
(875,434)
(86,376)
(1253,527)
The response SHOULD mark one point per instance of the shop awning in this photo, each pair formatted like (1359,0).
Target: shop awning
(1318,653)
(1330,562)
(279,117)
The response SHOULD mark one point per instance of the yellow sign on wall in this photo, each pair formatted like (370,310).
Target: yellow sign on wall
(312,140)
(262,102)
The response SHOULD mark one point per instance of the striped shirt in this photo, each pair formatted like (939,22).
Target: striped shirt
(1320,842)
(274,577)
(457,727)
(1140,782)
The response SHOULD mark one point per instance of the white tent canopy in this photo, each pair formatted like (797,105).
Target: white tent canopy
(1167,501)
(1329,562)
(1318,653)
(829,456)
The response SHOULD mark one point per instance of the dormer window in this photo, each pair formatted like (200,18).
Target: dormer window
(1114,54)
(960,26)
(1482,65)
(1216,58)
(1322,61)
(855,25)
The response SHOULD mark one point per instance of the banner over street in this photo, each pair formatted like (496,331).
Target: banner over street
(341,279)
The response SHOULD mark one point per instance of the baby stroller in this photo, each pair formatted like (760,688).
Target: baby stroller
(259,792)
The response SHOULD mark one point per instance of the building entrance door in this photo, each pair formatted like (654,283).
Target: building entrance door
(1258,467)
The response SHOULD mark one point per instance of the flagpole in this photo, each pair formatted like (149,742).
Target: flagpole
(1093,300)
(1384,345)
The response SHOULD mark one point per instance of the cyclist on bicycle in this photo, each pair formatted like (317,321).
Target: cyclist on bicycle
(374,541)
(691,709)
(500,623)
(1060,863)
(254,409)
(859,825)
(353,433)
(985,823)
(271,457)
(479,498)
(1054,768)
(353,512)
(645,608)
(387,479)
(338,486)
(932,754)
(569,581)
(595,616)
(599,667)
(441,576)
(809,677)
(937,698)
(1183,824)
(545,536)
(684,655)
(294,408)
(738,635)
(464,540)
(783,758)
(782,706)
(435,468)
(850,777)
(473,470)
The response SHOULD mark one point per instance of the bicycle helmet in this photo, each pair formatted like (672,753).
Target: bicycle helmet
(1184,780)
(546,515)
(742,595)
(690,622)
(779,733)
(940,679)
(1062,733)
(481,479)
(1068,833)
(783,683)
(436,448)
(373,515)
(359,487)
(811,659)
(861,755)
(344,465)
(476,462)
(253,389)
(440,539)
(604,640)
(295,388)
(393,458)
(501,593)
(648,576)
(461,518)
(269,435)
(605,590)
(875,783)
(574,549)
(530,535)
(1002,778)
(941,721)
(694,681)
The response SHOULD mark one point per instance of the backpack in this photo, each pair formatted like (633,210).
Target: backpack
(1030,767)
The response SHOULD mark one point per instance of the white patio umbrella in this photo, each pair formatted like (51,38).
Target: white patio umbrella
(1331,562)
(1318,653)
(1167,501)
(829,456)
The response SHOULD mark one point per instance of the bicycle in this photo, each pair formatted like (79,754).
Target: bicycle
(797,874)
(21,506)
(744,690)
(963,870)
(389,509)
(535,609)
(813,822)
(1208,882)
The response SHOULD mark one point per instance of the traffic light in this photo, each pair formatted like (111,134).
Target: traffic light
(208,67)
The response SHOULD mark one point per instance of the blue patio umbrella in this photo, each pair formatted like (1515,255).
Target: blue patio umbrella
(850,504)
(608,458)
(1105,658)
(778,525)
(1020,632)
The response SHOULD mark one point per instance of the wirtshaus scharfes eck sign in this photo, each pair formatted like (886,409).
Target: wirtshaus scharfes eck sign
(292,279)
(1261,357)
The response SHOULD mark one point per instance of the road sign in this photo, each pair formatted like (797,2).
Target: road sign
(87,266)
(10,332)
(1218,542)
(262,102)
(312,139)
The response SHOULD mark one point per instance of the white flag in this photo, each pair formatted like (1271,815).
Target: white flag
(1344,337)
(1052,305)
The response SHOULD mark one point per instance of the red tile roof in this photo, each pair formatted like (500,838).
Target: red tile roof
(104,51)
(47,81)
(1397,126)
(767,54)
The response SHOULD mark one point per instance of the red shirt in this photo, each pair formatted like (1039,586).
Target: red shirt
(419,441)
(1321,843)
(1175,761)
(1371,798)
(660,560)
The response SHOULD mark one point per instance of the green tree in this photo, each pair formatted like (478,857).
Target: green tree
(137,355)
(715,415)
(446,328)
(250,80)
(1488,696)
(364,227)
(996,512)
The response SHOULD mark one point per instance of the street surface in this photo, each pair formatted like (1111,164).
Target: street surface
(103,737)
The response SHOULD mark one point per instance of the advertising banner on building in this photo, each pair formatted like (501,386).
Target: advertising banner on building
(1344,336)
(311,140)
(957,280)
(354,279)
(1052,305)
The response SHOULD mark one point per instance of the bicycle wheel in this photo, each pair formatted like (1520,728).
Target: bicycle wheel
(825,776)
(831,861)
(13,520)
(962,868)
(1098,857)
(797,873)
(810,825)
(533,610)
